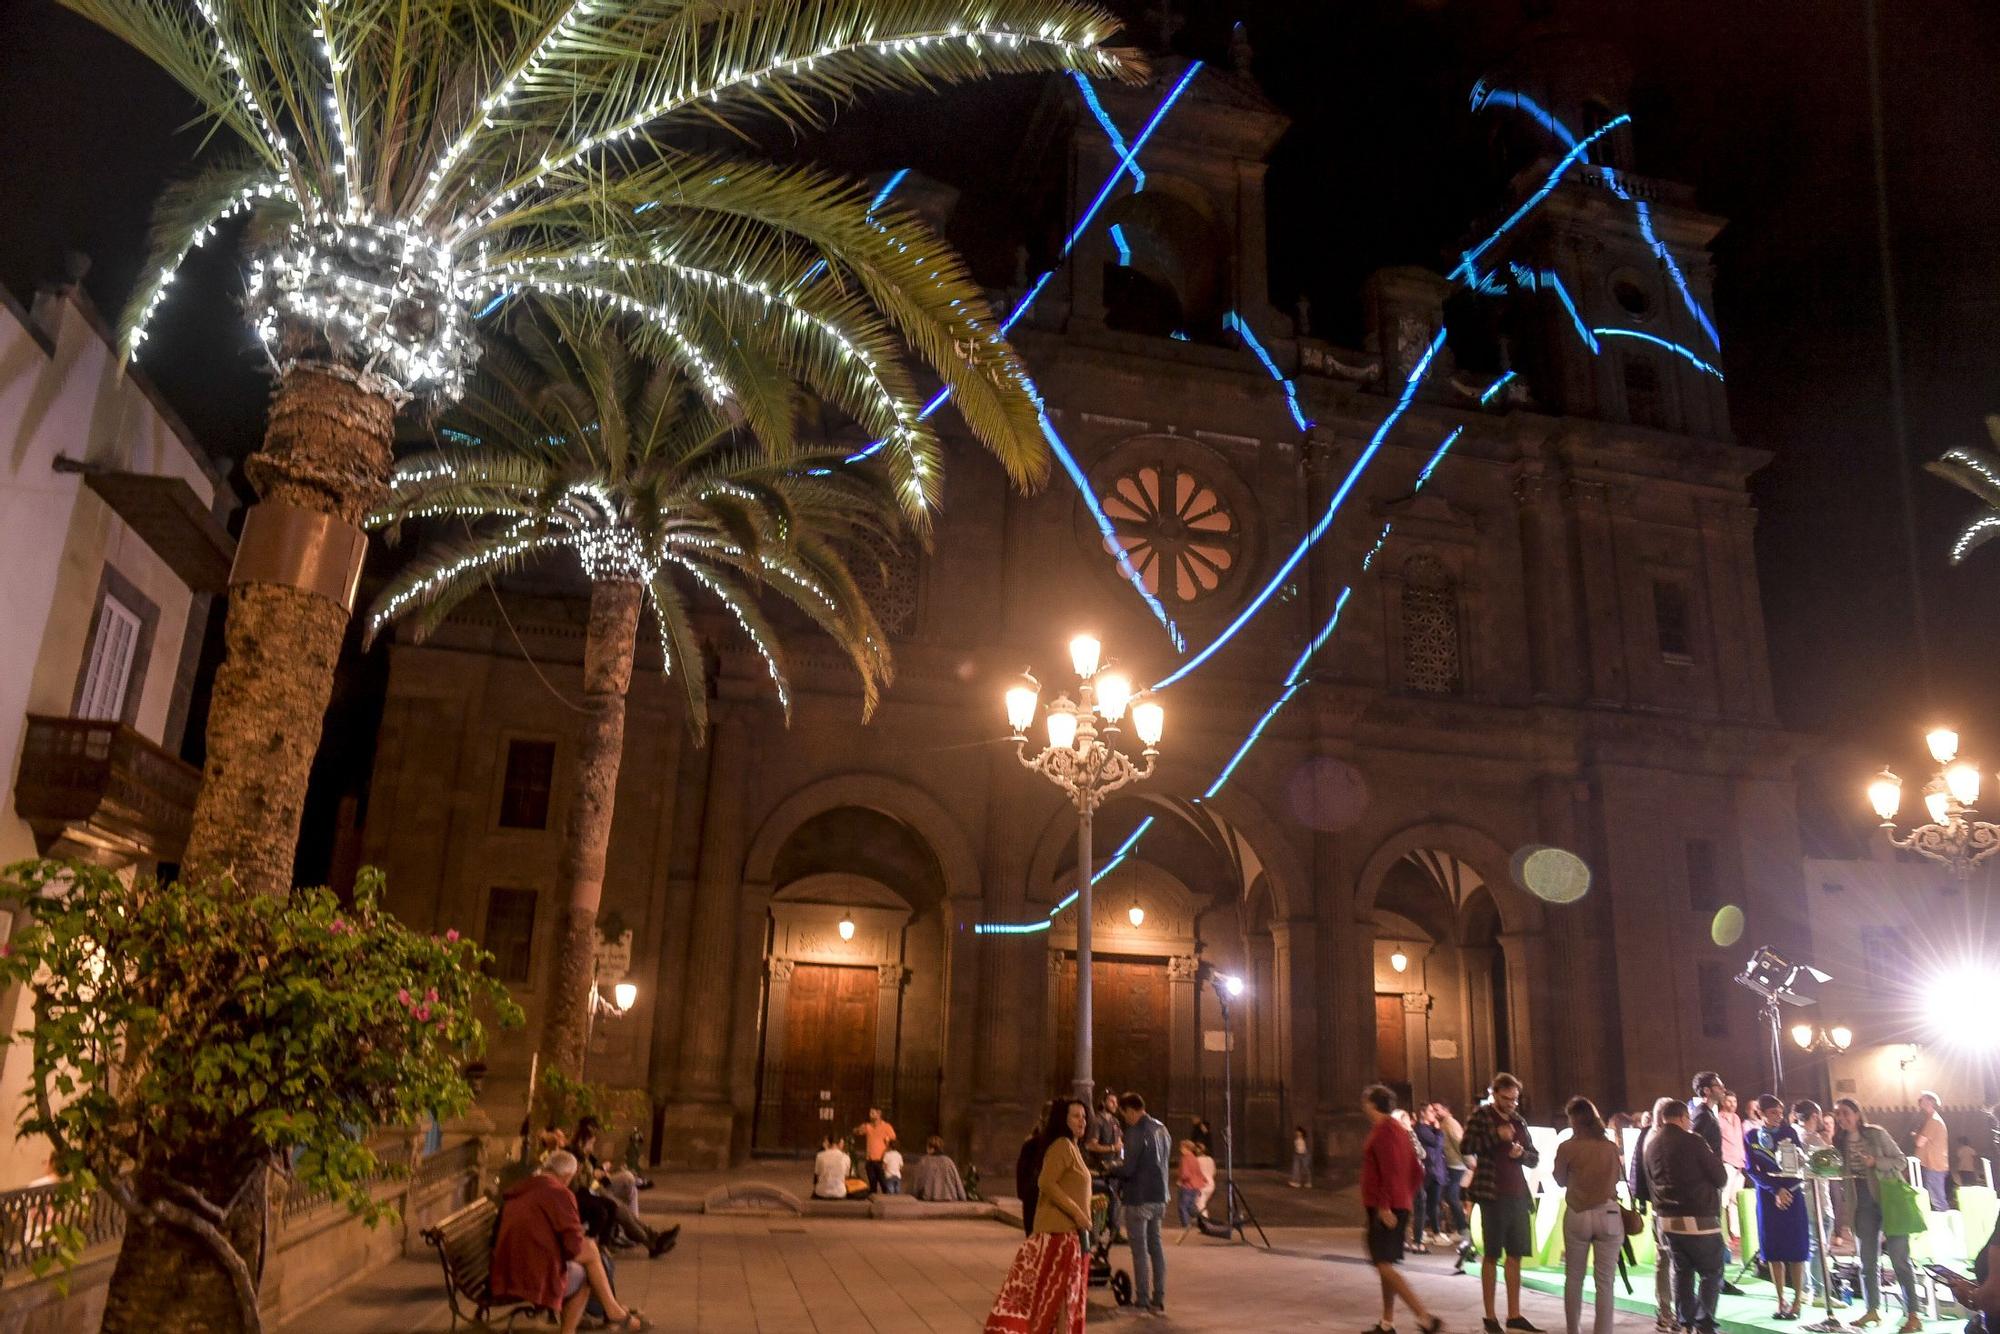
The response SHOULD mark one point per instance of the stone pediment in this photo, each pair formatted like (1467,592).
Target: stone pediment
(1429,516)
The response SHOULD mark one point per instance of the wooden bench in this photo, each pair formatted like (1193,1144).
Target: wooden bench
(464,1242)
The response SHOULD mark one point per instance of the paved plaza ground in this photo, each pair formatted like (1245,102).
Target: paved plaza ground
(735,1274)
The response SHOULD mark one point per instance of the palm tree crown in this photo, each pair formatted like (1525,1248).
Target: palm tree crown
(410,165)
(568,442)
(1978,471)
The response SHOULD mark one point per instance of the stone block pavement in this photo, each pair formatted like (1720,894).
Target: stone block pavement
(774,1274)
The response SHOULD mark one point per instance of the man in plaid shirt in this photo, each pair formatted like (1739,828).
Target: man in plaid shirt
(1497,1137)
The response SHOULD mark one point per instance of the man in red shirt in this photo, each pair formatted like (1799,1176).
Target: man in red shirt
(1390,1180)
(542,1255)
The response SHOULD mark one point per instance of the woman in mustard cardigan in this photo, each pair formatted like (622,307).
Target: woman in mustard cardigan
(1046,1289)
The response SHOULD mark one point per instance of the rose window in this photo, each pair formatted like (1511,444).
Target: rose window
(1175,529)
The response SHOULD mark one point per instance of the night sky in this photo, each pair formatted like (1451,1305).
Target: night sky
(1763,107)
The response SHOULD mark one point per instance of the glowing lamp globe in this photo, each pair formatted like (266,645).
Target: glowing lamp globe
(625,995)
(846,927)
(1061,721)
(1149,720)
(1136,915)
(1962,780)
(1943,742)
(1399,961)
(1114,692)
(1233,985)
(1084,652)
(1885,794)
(1803,1035)
(1022,697)
(1937,803)
(1841,1036)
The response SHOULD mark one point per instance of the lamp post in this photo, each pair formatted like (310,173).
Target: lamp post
(1954,836)
(624,996)
(1083,759)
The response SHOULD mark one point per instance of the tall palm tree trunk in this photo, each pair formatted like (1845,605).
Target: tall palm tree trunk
(325,461)
(607,674)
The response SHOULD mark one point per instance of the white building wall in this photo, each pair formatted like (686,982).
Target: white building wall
(56,538)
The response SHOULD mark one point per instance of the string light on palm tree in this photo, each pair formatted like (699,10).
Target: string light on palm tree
(1954,835)
(1083,759)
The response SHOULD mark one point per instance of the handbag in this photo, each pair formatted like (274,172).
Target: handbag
(1635,1222)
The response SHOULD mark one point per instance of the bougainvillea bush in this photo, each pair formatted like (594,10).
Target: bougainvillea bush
(193,1044)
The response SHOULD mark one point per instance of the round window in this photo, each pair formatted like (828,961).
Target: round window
(1175,528)
(1631,296)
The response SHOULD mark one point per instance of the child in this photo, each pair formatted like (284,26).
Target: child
(892,1170)
(1302,1162)
(1191,1180)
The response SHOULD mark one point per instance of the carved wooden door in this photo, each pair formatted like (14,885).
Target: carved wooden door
(829,1052)
(1130,1041)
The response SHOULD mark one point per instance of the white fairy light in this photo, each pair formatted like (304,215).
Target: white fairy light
(273,140)
(665,319)
(241,202)
(565,26)
(690,94)
(764,650)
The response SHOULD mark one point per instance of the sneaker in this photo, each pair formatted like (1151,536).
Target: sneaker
(1491,1326)
(1521,1325)
(1730,1289)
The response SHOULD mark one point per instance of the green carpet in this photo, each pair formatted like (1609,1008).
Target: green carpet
(1748,1314)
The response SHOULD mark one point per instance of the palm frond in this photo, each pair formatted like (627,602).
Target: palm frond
(1978,471)
(187,214)
(680,650)
(446,573)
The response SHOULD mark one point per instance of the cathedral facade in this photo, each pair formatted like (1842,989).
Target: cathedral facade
(1518,506)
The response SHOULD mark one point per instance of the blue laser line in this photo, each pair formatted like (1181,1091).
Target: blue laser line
(1124,851)
(1554,283)
(888,188)
(1483,97)
(1468,268)
(1103,522)
(1410,386)
(1111,130)
(1668,344)
(1293,681)
(492,305)
(1438,457)
(1242,326)
(1644,212)
(1381,540)
(1124,250)
(1493,390)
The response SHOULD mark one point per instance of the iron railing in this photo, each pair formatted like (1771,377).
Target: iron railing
(99,790)
(30,1219)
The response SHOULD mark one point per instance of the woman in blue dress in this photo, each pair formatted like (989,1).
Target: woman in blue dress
(1784,1237)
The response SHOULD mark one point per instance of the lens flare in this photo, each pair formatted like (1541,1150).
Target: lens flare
(1727,928)
(1553,875)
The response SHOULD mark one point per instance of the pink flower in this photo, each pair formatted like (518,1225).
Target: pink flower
(403,996)
(440,1021)
(339,926)
(451,934)
(431,995)
(423,1013)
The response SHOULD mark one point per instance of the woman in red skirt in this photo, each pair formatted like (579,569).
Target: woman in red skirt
(1046,1288)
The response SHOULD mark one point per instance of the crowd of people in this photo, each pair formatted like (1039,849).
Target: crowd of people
(934,1176)
(1676,1169)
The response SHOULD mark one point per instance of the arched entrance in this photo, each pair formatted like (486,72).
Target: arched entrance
(854,985)
(1450,1005)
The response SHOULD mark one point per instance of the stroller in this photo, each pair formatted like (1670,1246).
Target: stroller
(1101,1272)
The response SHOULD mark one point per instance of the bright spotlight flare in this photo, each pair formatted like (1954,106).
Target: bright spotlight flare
(1958,1007)
(1553,875)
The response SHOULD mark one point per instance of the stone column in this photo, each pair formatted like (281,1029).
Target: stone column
(1526,961)
(1292,945)
(1554,660)
(777,1011)
(1596,562)
(889,980)
(699,1122)
(963,989)
(1184,1038)
(753,939)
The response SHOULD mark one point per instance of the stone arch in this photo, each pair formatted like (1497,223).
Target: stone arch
(1475,847)
(894,797)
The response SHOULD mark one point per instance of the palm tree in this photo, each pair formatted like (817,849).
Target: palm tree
(569,445)
(408,166)
(1978,471)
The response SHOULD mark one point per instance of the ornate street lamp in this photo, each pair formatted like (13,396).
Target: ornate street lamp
(1083,759)
(1954,836)
(1814,1037)
(624,995)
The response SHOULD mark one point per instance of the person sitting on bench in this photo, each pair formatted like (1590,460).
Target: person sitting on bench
(541,1254)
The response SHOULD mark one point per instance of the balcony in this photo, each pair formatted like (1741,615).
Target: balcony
(99,792)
